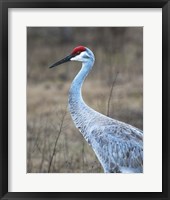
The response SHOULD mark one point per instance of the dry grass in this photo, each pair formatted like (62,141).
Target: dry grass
(53,142)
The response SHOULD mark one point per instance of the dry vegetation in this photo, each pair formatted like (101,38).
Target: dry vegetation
(53,143)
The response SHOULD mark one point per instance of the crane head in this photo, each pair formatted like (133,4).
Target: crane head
(80,53)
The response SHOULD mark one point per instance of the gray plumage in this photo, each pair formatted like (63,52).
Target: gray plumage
(117,145)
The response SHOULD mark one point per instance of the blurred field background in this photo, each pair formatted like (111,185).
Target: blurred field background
(54,145)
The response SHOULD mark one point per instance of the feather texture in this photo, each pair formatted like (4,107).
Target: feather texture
(117,145)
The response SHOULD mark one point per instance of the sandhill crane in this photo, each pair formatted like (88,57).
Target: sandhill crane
(117,145)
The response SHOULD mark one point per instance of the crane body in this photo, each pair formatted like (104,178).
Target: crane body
(117,145)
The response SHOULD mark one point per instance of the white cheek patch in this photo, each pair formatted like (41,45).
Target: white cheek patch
(75,58)
(79,57)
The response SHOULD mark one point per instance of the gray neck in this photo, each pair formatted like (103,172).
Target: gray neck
(79,110)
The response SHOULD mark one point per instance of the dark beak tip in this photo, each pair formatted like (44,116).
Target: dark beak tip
(66,59)
(50,66)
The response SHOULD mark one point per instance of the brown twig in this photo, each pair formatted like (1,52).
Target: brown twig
(57,138)
(110,95)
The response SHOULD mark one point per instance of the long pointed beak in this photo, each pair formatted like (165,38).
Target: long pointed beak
(66,59)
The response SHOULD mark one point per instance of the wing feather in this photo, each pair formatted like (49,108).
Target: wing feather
(118,145)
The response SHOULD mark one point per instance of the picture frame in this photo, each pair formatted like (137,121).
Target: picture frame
(4,148)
